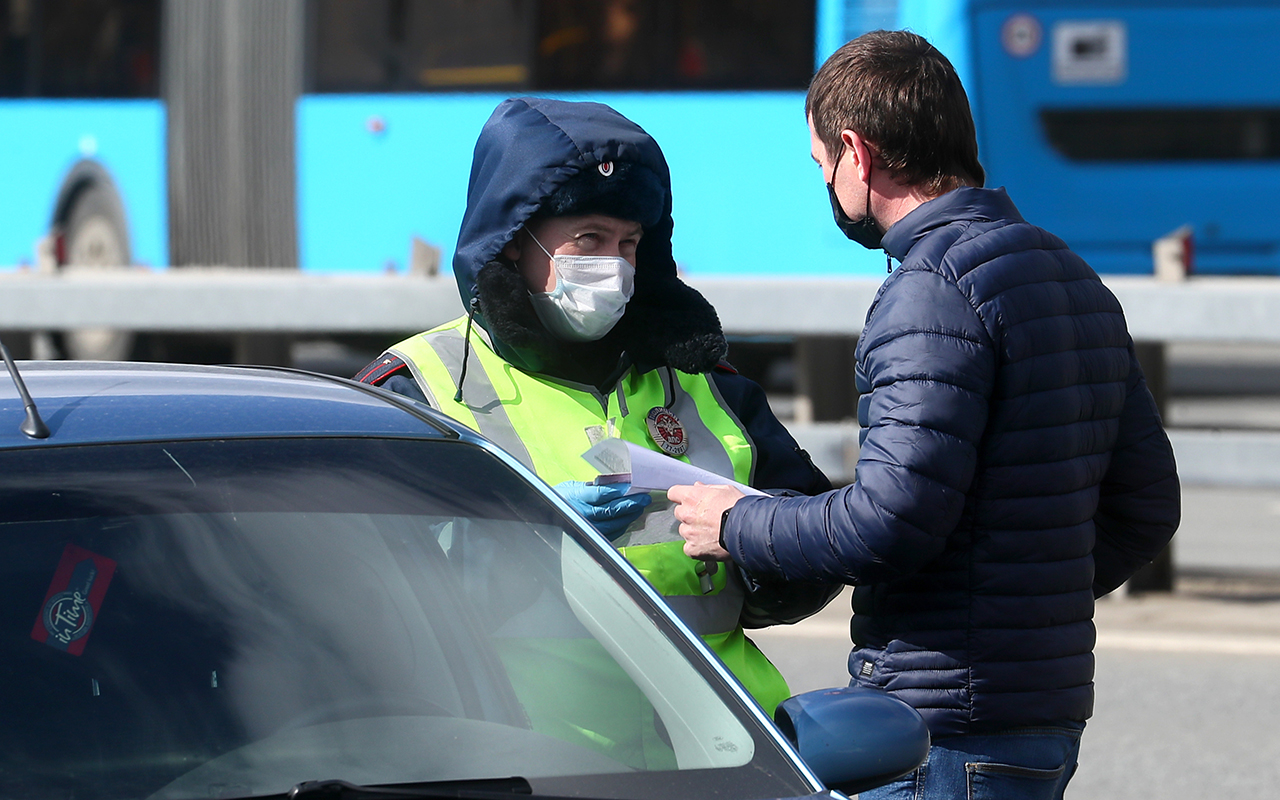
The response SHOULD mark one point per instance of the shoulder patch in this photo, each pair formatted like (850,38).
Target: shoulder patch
(380,369)
(724,366)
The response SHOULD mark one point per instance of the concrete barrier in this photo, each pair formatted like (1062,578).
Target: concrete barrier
(219,299)
(1205,457)
(288,302)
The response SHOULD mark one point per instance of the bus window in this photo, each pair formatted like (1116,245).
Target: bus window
(423,45)
(415,45)
(79,48)
(674,44)
(1164,134)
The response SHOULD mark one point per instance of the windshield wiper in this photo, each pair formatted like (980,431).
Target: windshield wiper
(475,789)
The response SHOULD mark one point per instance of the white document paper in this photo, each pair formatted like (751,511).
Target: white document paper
(651,471)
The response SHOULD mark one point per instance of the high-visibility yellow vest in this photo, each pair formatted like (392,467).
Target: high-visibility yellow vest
(548,423)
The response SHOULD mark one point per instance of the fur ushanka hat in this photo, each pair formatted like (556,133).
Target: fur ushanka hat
(537,157)
(616,188)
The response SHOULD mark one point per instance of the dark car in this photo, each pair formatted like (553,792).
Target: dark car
(240,582)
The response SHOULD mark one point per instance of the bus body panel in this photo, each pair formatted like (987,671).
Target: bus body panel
(1173,58)
(376,170)
(43,139)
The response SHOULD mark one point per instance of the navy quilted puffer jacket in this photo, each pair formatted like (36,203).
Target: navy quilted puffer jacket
(1013,468)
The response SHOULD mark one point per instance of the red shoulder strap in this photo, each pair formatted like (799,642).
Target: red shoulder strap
(381,368)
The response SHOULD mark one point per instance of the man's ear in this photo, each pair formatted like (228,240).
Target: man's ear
(861,151)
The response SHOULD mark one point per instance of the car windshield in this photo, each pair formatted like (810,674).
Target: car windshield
(230,618)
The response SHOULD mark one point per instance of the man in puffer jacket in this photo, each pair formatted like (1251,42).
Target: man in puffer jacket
(1013,465)
(579,328)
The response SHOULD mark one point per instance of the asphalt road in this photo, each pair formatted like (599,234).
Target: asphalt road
(1186,688)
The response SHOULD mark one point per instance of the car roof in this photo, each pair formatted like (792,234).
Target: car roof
(96,402)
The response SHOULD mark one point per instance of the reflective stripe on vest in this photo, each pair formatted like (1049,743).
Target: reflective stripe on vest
(510,407)
(655,562)
(488,416)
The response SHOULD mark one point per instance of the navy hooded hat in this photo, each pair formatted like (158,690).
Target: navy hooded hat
(541,157)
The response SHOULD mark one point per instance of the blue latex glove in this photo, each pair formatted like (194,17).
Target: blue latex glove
(609,508)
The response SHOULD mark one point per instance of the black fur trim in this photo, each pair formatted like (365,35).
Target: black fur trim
(630,191)
(505,309)
(671,324)
(667,321)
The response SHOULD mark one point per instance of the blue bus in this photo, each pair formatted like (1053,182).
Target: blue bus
(392,95)
(1115,122)
(1112,122)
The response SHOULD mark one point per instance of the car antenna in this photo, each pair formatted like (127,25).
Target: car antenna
(32,426)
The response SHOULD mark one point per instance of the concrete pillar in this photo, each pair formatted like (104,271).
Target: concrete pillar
(825,389)
(268,350)
(1159,575)
(231,78)
(1151,355)
(18,343)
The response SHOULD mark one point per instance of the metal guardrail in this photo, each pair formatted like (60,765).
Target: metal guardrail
(213,300)
(1199,309)
(1205,457)
(222,300)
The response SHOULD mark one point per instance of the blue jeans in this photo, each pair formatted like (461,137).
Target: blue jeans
(1017,764)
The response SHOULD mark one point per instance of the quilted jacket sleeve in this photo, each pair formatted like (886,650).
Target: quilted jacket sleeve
(782,466)
(930,365)
(1140,502)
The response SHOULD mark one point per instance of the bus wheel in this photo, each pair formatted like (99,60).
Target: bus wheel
(94,238)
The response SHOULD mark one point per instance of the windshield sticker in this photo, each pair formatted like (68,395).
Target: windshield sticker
(72,602)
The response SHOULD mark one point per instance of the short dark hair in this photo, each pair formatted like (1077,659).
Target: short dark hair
(903,96)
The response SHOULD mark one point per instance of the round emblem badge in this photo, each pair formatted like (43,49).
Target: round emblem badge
(68,616)
(606,168)
(667,432)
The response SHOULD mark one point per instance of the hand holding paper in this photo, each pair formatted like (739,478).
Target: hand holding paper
(702,496)
(652,471)
(700,508)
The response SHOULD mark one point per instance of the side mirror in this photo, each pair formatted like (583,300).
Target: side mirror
(854,738)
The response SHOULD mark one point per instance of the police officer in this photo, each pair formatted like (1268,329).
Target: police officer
(578,328)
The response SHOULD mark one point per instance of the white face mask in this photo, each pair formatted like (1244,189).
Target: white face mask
(590,297)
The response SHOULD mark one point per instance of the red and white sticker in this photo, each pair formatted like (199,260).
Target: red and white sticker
(74,598)
(1021,35)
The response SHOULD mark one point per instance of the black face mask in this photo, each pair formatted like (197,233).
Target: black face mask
(866,231)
